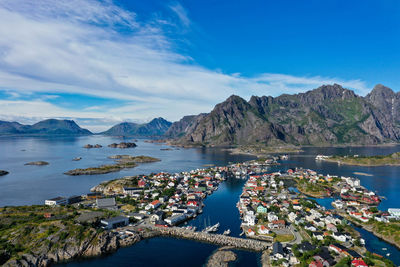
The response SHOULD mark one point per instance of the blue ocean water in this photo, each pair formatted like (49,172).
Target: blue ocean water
(32,184)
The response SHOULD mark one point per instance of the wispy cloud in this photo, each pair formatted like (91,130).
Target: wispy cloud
(97,48)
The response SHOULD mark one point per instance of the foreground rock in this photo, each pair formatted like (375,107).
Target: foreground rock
(31,239)
(3,172)
(122,145)
(92,146)
(37,163)
(123,161)
(221,258)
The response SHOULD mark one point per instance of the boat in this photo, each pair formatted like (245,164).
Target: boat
(384,248)
(388,254)
(227,232)
(242,233)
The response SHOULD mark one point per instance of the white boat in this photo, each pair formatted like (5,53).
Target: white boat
(227,232)
(384,248)
(388,254)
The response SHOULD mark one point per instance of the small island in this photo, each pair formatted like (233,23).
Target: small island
(37,163)
(2,172)
(122,145)
(356,160)
(122,162)
(92,146)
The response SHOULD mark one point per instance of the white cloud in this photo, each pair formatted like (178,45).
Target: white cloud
(97,48)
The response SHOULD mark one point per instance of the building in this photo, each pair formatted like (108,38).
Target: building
(74,199)
(261,209)
(106,203)
(114,222)
(394,212)
(277,251)
(175,219)
(56,201)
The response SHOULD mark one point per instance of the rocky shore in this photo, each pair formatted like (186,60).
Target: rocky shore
(92,246)
(92,146)
(37,163)
(221,258)
(123,161)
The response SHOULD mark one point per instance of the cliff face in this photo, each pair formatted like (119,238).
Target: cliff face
(156,127)
(46,127)
(327,115)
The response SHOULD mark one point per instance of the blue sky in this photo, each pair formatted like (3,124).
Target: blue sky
(102,62)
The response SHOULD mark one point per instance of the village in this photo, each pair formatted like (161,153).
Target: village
(279,209)
(282,207)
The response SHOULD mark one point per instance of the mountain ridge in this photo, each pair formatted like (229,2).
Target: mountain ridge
(327,115)
(45,127)
(156,127)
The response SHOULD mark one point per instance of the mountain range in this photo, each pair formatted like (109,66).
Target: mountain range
(328,115)
(156,127)
(46,127)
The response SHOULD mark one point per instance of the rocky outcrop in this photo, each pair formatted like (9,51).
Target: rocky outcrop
(156,127)
(37,163)
(92,146)
(122,145)
(328,115)
(221,258)
(94,245)
(183,126)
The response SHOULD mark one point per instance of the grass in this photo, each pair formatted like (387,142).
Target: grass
(284,238)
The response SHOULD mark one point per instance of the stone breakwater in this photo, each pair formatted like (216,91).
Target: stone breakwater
(216,239)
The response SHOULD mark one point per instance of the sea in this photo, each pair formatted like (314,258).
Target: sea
(27,185)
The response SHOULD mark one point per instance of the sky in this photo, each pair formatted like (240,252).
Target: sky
(104,62)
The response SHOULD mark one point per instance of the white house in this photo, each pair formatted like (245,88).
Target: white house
(56,201)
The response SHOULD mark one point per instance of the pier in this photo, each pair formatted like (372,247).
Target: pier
(216,239)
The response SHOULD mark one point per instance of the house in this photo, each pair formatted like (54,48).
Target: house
(250,219)
(94,195)
(316,264)
(157,216)
(175,219)
(56,201)
(114,222)
(106,203)
(306,246)
(339,237)
(155,204)
(131,191)
(325,257)
(277,251)
(74,199)
(263,230)
(331,227)
(250,232)
(358,263)
(261,209)
(337,248)
(318,235)
(310,227)
(277,224)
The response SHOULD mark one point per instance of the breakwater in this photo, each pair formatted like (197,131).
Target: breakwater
(216,239)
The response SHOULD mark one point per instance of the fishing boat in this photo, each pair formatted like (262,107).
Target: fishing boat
(227,232)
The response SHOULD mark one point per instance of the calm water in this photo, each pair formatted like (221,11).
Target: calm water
(33,184)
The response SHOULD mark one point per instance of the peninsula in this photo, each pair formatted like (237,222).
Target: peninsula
(122,162)
(356,160)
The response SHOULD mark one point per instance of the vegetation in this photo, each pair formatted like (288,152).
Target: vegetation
(123,161)
(27,229)
(380,160)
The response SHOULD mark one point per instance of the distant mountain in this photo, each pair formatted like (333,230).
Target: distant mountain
(156,127)
(327,115)
(46,127)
